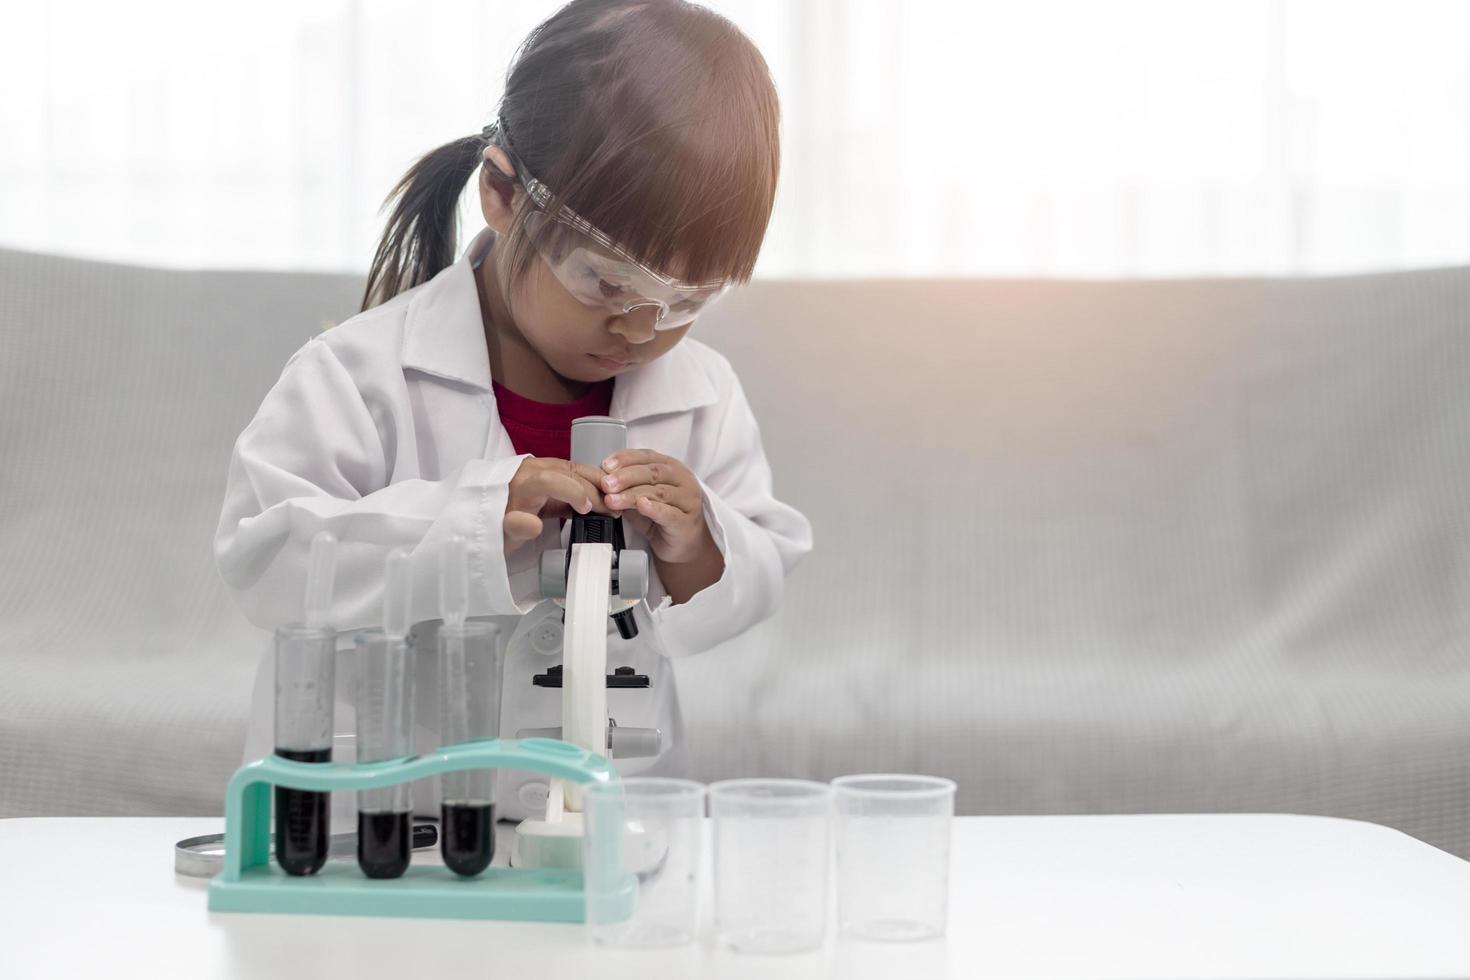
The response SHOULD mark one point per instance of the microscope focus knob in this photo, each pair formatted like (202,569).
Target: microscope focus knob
(554,573)
(632,574)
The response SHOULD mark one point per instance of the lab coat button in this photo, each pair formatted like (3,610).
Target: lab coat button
(546,637)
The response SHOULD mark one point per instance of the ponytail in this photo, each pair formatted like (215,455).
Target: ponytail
(423,228)
(656,121)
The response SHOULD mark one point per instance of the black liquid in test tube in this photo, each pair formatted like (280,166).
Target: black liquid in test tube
(302,819)
(383,843)
(467,837)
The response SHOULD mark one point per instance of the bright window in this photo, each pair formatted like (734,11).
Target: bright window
(924,137)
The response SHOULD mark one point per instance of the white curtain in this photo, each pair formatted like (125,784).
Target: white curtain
(925,137)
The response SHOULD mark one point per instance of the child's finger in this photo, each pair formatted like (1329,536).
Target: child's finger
(639,522)
(591,474)
(584,476)
(556,484)
(627,476)
(665,515)
(658,492)
(520,527)
(626,457)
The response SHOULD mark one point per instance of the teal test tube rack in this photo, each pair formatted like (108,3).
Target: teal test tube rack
(252,882)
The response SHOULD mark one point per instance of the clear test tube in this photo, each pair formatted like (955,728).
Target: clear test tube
(470,674)
(384,703)
(305,682)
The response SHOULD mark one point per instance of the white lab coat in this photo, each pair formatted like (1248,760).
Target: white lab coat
(384,431)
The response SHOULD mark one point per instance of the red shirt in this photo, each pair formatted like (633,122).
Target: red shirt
(545,428)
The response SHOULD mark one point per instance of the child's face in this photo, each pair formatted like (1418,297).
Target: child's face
(569,335)
(572,337)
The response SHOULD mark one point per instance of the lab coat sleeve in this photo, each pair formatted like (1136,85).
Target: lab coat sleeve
(761,538)
(313,459)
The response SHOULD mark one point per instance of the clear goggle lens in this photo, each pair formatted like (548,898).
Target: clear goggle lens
(600,277)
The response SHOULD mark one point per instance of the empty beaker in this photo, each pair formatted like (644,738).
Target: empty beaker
(771,843)
(644,836)
(893,855)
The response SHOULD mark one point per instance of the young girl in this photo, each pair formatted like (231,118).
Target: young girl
(626,180)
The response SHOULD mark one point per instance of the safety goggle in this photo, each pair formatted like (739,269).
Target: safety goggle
(595,269)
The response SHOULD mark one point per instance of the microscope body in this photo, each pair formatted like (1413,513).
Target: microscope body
(595,578)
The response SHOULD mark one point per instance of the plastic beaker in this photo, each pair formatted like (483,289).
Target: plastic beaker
(772,838)
(893,855)
(644,835)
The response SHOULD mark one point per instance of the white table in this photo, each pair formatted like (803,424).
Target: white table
(1103,896)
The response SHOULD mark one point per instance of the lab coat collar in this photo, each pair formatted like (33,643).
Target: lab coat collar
(444,336)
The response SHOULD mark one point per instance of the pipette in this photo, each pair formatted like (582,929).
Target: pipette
(397,593)
(384,700)
(469,708)
(305,692)
(321,578)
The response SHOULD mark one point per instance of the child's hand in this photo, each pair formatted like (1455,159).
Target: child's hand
(661,498)
(546,487)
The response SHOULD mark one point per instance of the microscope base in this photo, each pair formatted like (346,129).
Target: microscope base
(549,843)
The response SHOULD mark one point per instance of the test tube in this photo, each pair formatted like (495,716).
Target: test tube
(305,677)
(384,703)
(469,709)
(384,700)
(305,691)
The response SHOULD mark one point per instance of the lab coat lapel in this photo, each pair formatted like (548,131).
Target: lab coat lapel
(675,382)
(443,332)
(444,336)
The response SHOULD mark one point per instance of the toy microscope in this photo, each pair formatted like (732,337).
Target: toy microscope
(597,576)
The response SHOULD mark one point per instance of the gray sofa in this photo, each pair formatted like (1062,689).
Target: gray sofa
(1083,546)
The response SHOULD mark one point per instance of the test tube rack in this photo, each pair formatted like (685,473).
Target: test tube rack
(252,882)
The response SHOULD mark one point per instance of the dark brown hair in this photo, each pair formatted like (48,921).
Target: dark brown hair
(656,120)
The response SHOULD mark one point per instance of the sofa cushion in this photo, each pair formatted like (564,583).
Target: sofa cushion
(1083,546)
